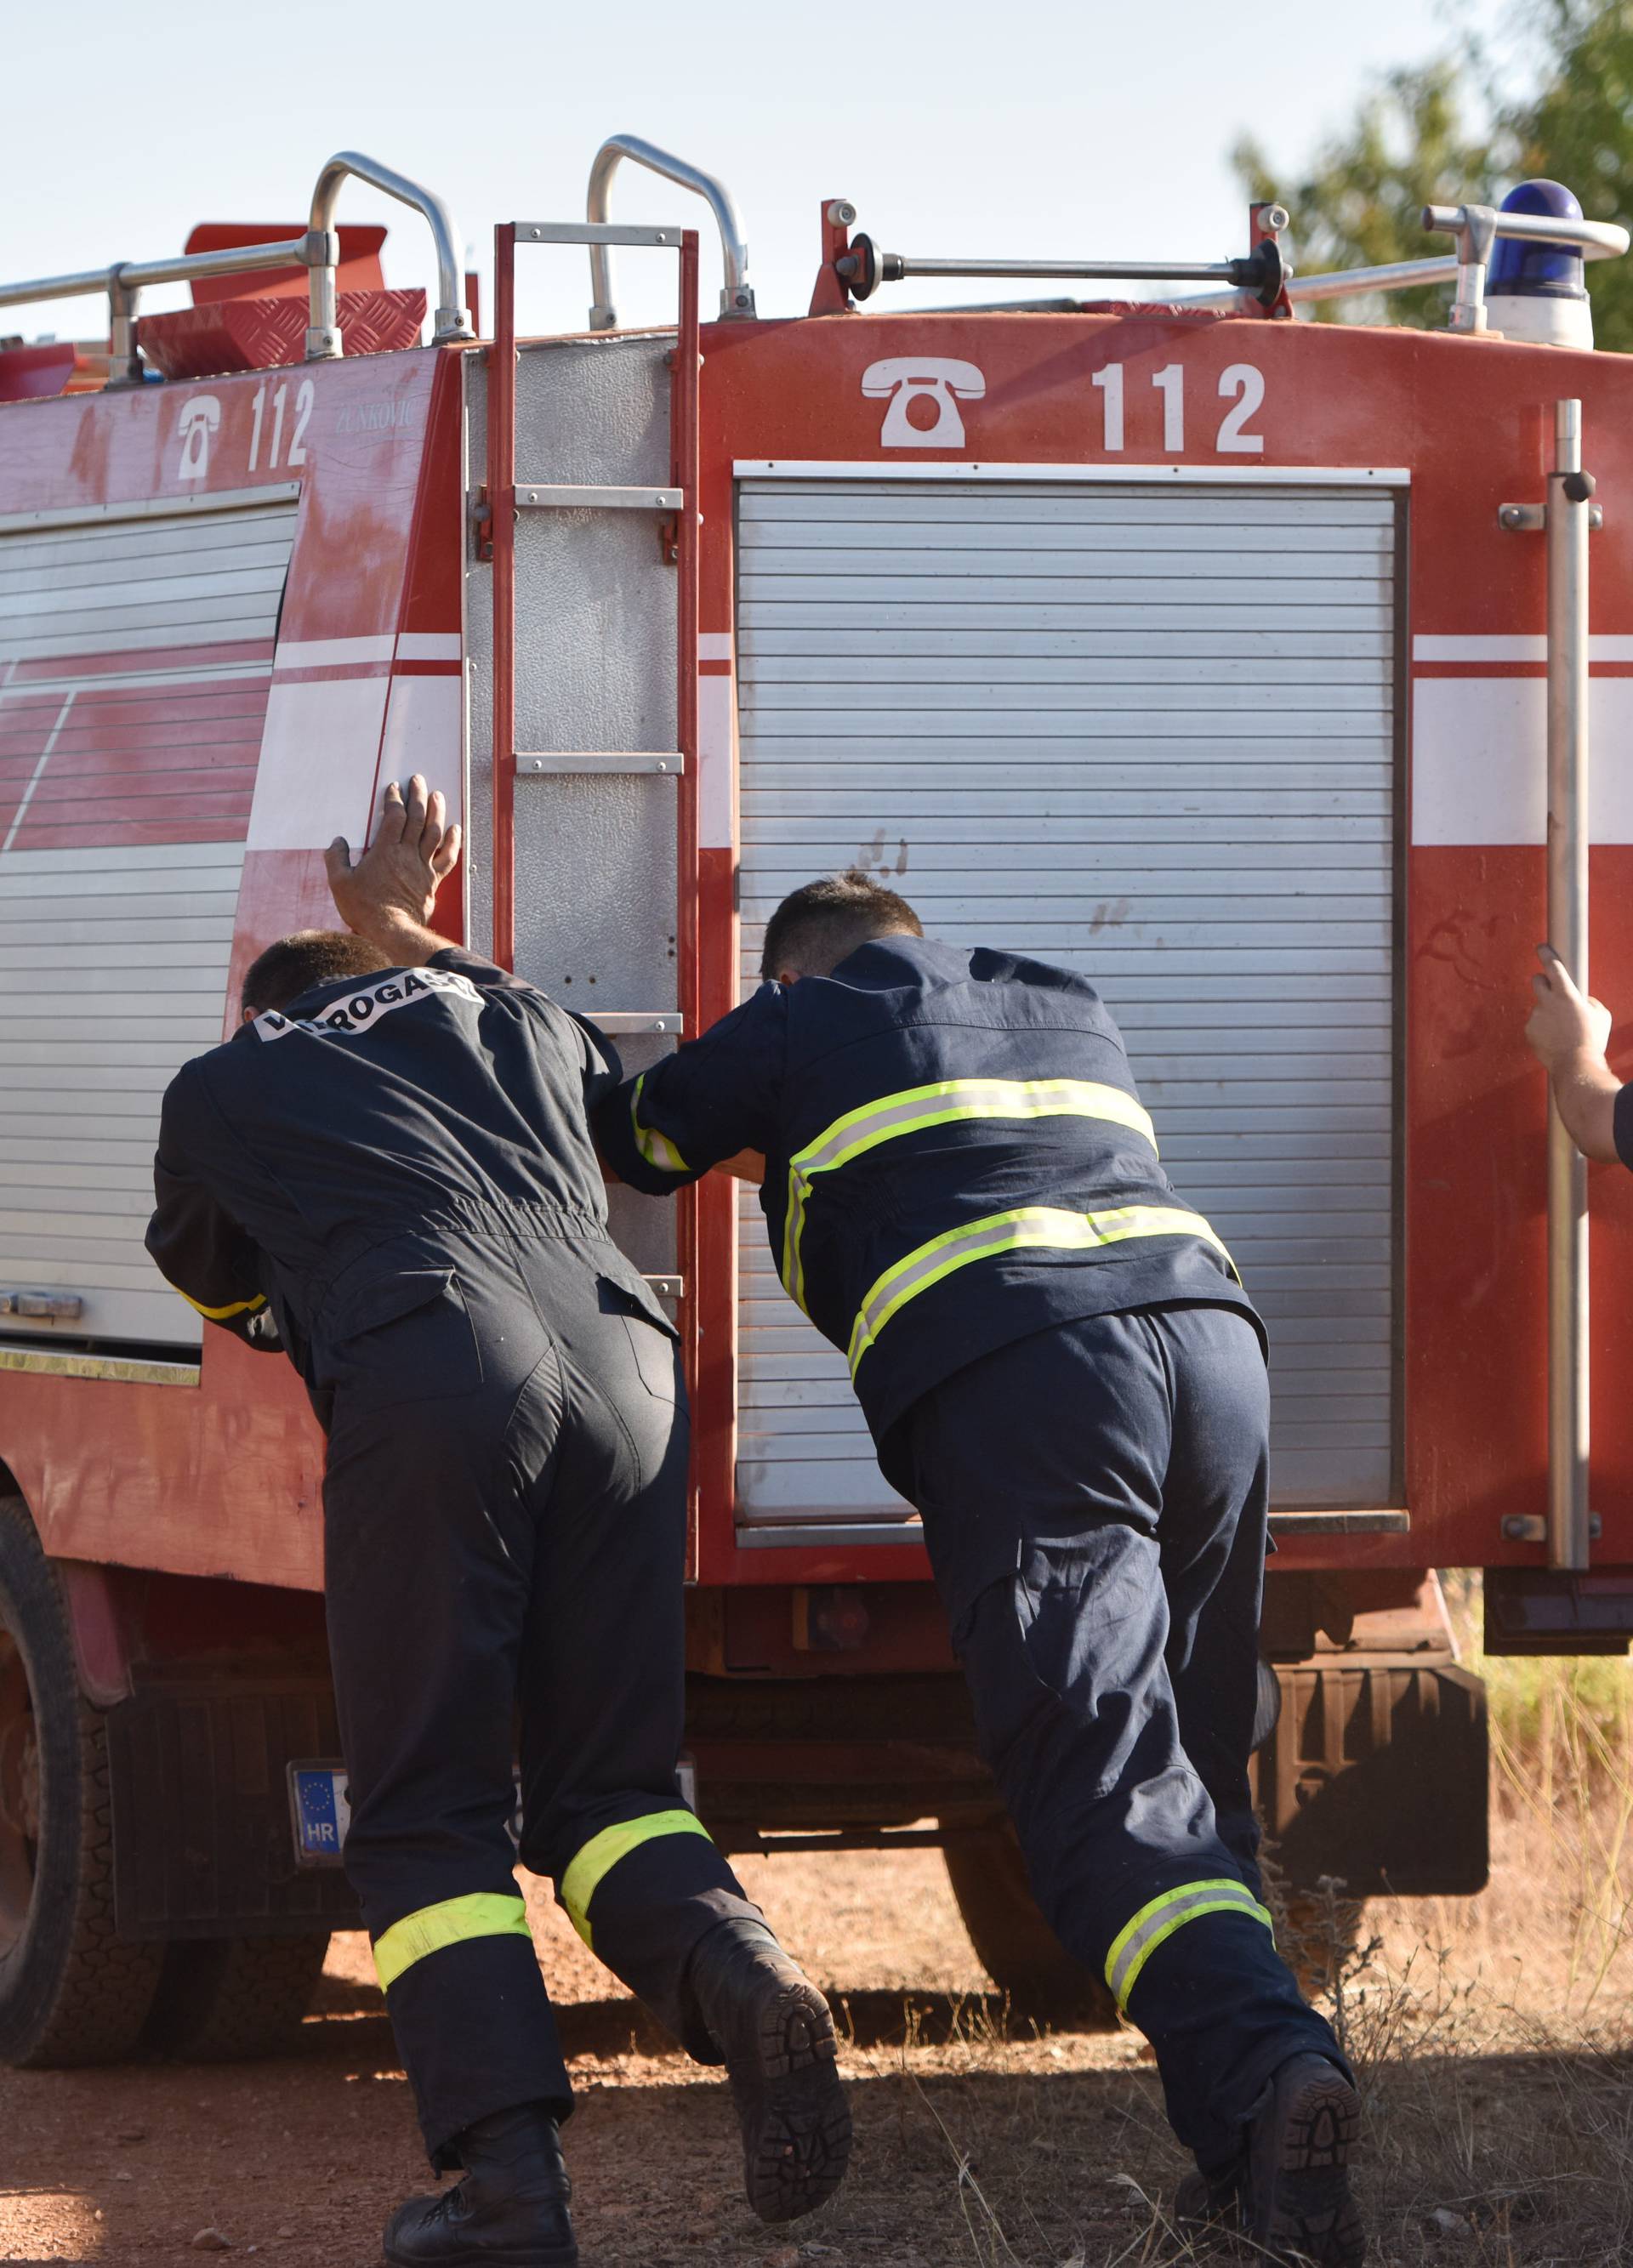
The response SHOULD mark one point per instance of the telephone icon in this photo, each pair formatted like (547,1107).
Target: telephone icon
(906,379)
(200,418)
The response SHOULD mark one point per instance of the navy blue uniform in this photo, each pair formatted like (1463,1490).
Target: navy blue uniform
(399,1172)
(1062,1370)
(955,1156)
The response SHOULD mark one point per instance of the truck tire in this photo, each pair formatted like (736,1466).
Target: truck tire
(232,1999)
(71,1991)
(1013,1942)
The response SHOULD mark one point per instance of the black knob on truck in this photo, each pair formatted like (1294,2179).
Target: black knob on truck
(1264,272)
(859,267)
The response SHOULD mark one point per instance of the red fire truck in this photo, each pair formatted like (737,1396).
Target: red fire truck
(1244,663)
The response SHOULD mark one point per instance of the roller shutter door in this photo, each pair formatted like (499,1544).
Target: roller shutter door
(136,653)
(1149,733)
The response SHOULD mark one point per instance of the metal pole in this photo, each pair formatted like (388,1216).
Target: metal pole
(1598,240)
(502,504)
(125,280)
(906,265)
(232,260)
(685,451)
(323,340)
(124,362)
(1568,1411)
(686,427)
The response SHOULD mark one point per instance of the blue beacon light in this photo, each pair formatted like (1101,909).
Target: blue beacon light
(1536,291)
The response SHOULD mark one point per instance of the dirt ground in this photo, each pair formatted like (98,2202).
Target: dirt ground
(1493,2036)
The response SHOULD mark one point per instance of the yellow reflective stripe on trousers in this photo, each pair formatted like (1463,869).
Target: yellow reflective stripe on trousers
(1156,1923)
(1042,1228)
(484,1913)
(943,1104)
(221,1314)
(655,1148)
(602,1853)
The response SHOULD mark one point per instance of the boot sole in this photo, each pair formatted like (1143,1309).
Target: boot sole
(1310,2212)
(796,2124)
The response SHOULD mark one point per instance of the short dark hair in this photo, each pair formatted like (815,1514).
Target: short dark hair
(822,923)
(311,956)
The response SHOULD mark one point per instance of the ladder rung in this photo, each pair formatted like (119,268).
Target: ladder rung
(599,759)
(594,232)
(632,1019)
(534,496)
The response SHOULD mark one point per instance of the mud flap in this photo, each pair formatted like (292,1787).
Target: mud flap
(1376,1774)
(202,1839)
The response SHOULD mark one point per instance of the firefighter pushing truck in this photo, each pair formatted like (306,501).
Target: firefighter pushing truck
(1239,663)
(391,1164)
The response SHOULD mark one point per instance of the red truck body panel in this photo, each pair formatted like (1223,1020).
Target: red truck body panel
(221,1478)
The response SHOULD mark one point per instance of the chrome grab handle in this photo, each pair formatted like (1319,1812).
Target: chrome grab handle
(736,297)
(452,320)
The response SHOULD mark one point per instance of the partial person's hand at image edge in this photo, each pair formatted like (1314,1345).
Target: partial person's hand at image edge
(1568,1031)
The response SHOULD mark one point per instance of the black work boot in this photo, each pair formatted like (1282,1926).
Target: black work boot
(773,2028)
(1206,2205)
(510,2211)
(1294,2200)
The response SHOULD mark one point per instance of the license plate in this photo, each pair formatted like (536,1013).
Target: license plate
(321,1813)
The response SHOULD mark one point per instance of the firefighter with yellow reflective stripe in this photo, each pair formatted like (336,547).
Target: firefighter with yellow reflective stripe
(389,1169)
(1062,1372)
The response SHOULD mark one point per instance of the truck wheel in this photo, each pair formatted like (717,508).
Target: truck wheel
(1014,1943)
(71,1991)
(229,1999)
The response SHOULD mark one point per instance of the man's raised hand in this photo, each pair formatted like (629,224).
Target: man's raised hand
(391,891)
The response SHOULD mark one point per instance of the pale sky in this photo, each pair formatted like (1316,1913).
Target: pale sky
(1053,129)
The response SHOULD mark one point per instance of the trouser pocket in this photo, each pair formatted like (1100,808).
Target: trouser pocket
(406,1337)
